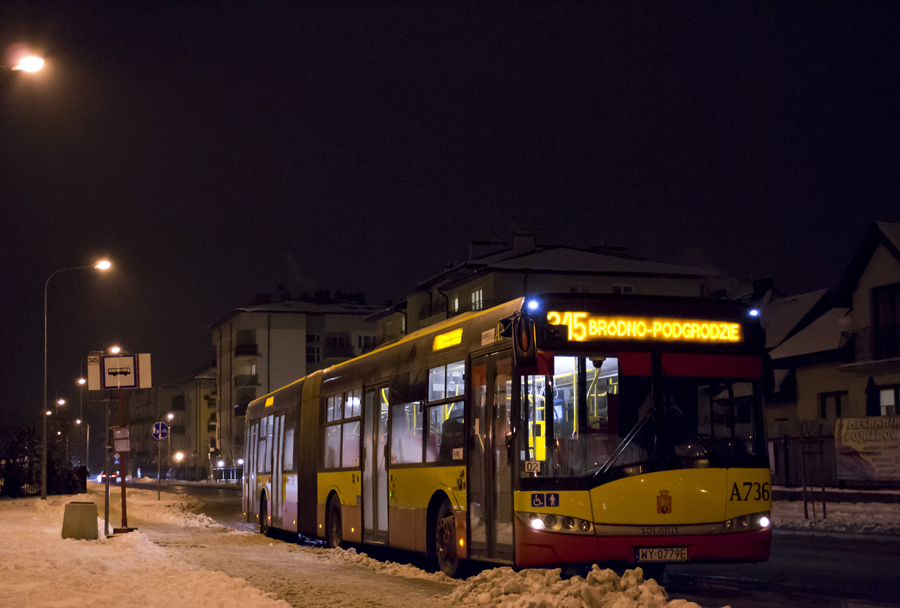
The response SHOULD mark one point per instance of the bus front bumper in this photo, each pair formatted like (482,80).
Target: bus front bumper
(539,548)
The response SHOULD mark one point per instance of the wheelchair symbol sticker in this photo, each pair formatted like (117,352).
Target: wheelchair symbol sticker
(550,499)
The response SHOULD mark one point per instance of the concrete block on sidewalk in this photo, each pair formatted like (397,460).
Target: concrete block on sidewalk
(80,521)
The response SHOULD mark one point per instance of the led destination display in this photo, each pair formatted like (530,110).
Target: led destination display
(583,327)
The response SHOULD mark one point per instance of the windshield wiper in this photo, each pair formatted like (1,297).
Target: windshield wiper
(625,443)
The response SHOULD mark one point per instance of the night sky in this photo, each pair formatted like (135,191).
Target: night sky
(215,150)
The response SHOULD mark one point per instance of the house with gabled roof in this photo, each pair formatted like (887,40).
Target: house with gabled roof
(847,361)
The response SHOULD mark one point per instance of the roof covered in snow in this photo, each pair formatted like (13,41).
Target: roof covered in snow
(302,307)
(821,336)
(879,233)
(561,259)
(781,317)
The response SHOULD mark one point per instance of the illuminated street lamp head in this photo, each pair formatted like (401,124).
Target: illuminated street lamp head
(82,381)
(29,64)
(115,350)
(60,402)
(78,421)
(179,456)
(169,416)
(103,265)
(48,412)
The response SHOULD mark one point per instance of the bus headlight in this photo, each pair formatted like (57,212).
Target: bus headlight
(746,523)
(554,523)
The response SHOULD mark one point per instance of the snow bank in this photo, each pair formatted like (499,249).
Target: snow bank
(859,518)
(546,589)
(384,567)
(38,568)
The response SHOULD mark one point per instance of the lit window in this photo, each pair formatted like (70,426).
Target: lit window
(477,300)
(888,397)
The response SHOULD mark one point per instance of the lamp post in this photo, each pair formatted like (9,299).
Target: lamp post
(102,265)
(81,382)
(169,418)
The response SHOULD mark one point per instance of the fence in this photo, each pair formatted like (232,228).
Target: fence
(21,478)
(810,460)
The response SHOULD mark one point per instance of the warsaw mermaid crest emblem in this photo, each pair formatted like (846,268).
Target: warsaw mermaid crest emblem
(664,502)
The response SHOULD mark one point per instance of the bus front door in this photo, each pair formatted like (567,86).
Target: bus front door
(490,508)
(374,481)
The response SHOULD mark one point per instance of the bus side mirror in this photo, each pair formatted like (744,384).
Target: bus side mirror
(524,348)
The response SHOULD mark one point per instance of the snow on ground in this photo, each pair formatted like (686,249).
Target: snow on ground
(179,557)
(860,518)
(39,568)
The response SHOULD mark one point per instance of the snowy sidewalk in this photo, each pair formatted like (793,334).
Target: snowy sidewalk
(181,559)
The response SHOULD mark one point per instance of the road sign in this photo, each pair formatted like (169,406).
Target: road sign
(118,371)
(160,430)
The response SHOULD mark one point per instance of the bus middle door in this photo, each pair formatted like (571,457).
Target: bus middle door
(490,508)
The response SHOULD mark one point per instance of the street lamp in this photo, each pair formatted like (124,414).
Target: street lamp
(29,64)
(102,265)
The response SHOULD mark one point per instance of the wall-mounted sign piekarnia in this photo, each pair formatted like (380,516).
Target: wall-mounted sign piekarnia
(584,326)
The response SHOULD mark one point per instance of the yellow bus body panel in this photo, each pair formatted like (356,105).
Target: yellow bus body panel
(681,497)
(343,483)
(571,504)
(747,491)
(413,488)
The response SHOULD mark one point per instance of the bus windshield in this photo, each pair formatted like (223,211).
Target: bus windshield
(592,415)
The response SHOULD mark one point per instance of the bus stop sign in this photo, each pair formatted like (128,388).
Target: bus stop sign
(160,430)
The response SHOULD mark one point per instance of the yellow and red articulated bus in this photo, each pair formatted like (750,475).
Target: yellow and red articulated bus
(555,430)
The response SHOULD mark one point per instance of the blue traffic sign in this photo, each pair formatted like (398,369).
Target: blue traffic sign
(160,430)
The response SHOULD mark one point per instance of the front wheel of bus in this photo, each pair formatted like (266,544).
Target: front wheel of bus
(334,537)
(445,541)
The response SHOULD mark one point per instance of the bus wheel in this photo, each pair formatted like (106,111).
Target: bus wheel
(263,517)
(334,537)
(445,541)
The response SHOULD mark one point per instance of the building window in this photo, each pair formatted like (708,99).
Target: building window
(313,338)
(476,300)
(178,403)
(365,342)
(886,311)
(623,289)
(889,396)
(454,303)
(313,353)
(830,404)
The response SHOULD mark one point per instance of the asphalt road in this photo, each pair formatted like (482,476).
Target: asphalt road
(804,571)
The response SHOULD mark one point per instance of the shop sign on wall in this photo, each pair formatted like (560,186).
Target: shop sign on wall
(868,448)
